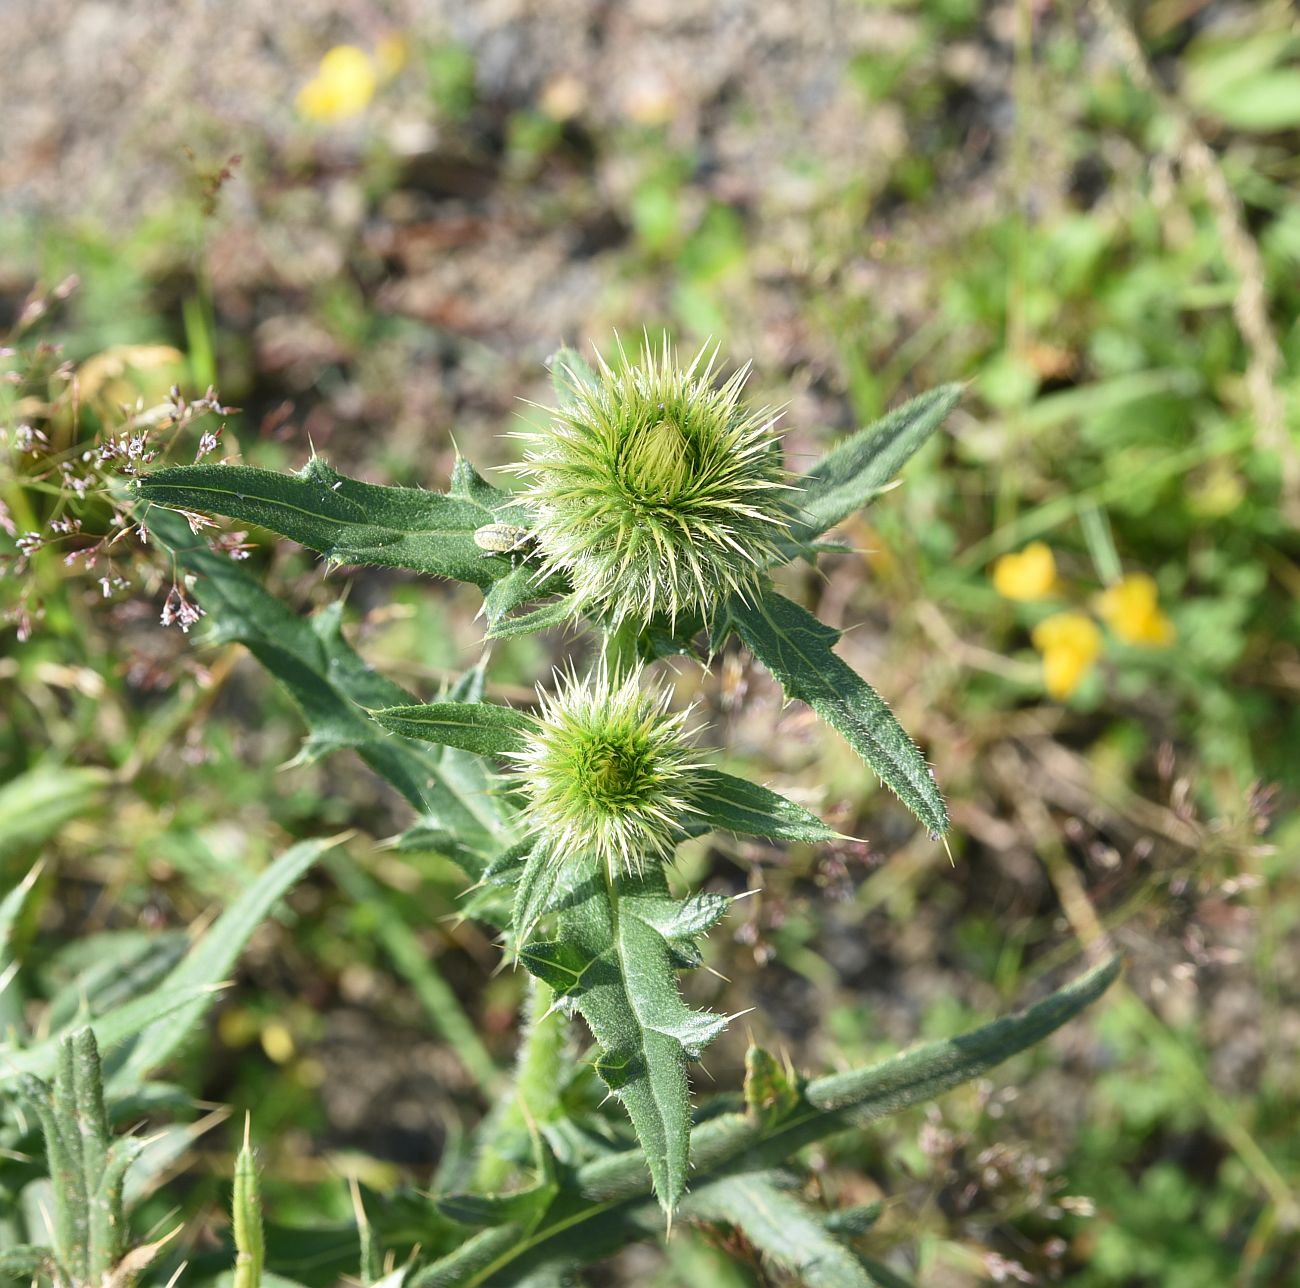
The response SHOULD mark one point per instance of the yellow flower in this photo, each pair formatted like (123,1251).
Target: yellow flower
(126,372)
(343,85)
(1069,643)
(1026,576)
(1131,610)
(277,1041)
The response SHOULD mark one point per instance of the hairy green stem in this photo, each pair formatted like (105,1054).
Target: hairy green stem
(534,1096)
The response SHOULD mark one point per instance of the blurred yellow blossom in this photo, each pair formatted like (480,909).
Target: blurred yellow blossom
(1131,609)
(343,85)
(1027,576)
(1069,643)
(277,1042)
(237,1027)
(1216,492)
(120,375)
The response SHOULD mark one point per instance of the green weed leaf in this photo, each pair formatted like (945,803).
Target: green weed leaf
(344,519)
(922,1074)
(461,815)
(604,1205)
(786,1231)
(731,804)
(535,891)
(484,728)
(849,475)
(36,804)
(840,1101)
(613,960)
(111,1029)
(799,652)
(556,612)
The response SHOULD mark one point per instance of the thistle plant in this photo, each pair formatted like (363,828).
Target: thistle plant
(86,1223)
(654,508)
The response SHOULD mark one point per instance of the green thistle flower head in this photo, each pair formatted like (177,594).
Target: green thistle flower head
(607,768)
(654,491)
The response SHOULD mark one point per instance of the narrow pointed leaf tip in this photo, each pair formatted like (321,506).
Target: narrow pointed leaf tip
(928,1070)
(246,1217)
(731,804)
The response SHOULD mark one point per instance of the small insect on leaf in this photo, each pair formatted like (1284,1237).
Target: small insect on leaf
(502,538)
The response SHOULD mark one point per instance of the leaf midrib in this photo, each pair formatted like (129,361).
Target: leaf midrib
(280,503)
(642,1025)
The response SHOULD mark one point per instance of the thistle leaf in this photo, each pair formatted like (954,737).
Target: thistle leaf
(331,684)
(927,1071)
(799,652)
(484,728)
(783,1229)
(613,960)
(515,589)
(535,891)
(525,1206)
(605,1205)
(557,612)
(860,1096)
(506,866)
(849,475)
(344,519)
(681,922)
(732,804)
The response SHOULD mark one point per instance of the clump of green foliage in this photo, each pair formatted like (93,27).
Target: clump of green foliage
(563,820)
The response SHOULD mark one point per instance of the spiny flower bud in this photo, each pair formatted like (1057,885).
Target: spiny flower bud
(654,491)
(607,769)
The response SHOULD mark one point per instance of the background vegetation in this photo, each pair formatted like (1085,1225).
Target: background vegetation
(1086,211)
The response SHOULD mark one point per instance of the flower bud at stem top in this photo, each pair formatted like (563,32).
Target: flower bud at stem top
(653,491)
(607,769)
